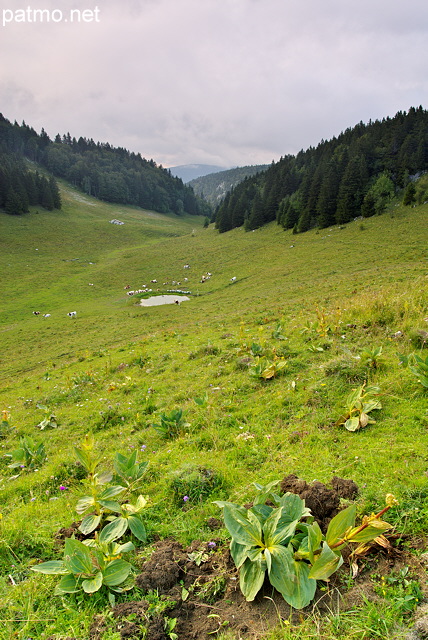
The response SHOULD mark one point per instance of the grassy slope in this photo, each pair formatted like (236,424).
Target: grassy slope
(116,359)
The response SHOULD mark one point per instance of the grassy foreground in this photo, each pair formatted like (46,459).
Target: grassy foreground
(317,301)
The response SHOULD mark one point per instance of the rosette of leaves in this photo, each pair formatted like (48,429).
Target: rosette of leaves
(29,456)
(103,501)
(171,425)
(49,421)
(266,369)
(359,403)
(128,470)
(419,367)
(89,566)
(285,541)
(127,515)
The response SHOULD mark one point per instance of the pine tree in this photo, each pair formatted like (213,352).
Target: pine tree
(13,205)
(56,197)
(256,218)
(409,194)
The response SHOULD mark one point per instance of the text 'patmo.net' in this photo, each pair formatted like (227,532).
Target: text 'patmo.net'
(55,16)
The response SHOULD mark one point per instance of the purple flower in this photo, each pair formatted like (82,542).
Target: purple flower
(144,446)
(212,545)
(186,498)
(62,488)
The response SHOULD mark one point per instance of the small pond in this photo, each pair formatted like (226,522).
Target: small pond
(158,300)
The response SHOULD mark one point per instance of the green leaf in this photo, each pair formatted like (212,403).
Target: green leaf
(83,458)
(104,477)
(270,527)
(353,397)
(251,578)
(111,505)
(245,530)
(327,563)
(282,572)
(89,524)
(126,547)
(305,586)
(371,405)
(263,491)
(93,584)
(295,508)
(352,424)
(370,532)
(341,522)
(84,504)
(313,540)
(110,492)
(116,572)
(67,584)
(51,567)
(114,530)
(137,528)
(238,552)
(77,557)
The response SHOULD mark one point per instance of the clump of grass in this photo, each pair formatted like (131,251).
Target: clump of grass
(191,485)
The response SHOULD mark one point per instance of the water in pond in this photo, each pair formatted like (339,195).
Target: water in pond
(157,300)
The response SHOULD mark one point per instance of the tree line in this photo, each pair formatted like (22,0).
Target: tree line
(354,174)
(109,173)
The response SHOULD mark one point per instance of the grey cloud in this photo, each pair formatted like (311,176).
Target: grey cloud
(221,81)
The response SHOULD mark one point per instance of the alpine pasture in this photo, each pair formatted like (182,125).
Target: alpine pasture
(257,367)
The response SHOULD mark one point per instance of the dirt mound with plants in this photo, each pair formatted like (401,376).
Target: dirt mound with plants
(323,501)
(193,592)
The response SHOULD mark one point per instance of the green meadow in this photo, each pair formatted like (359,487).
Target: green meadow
(325,312)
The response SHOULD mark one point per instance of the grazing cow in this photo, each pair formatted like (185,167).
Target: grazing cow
(46,315)
(36,313)
(127,286)
(72,314)
(233,279)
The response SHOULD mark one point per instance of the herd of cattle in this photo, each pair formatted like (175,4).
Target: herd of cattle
(132,292)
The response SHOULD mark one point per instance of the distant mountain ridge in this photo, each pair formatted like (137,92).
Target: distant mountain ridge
(188,172)
(214,187)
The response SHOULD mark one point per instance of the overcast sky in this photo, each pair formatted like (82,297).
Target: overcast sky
(225,82)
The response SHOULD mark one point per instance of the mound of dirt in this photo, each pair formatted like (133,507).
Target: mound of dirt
(324,502)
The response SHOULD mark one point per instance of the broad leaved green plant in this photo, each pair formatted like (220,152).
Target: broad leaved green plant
(285,541)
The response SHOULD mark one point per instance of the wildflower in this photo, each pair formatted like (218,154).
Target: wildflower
(186,498)
(212,545)
(62,488)
(143,447)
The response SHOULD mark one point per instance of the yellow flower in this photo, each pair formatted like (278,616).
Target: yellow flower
(391,500)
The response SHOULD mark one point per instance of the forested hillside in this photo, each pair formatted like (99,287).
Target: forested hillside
(355,174)
(20,187)
(99,169)
(214,186)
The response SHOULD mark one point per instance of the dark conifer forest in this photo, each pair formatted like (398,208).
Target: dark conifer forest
(353,175)
(112,174)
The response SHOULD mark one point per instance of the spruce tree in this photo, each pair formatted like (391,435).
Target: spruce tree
(13,205)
